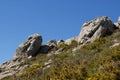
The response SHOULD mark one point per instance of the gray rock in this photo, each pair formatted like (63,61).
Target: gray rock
(68,41)
(47,64)
(47,47)
(5,74)
(28,48)
(21,69)
(10,68)
(31,46)
(59,51)
(95,29)
(60,41)
(44,49)
(114,45)
(52,43)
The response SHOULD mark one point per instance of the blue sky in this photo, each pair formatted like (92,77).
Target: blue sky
(53,19)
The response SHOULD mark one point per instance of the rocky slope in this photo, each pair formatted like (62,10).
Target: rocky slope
(91,31)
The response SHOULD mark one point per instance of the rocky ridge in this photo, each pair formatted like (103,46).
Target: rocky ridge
(92,30)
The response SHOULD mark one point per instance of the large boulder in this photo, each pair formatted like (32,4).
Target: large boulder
(28,48)
(31,46)
(95,29)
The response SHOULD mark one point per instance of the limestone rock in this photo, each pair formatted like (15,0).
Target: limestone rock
(95,29)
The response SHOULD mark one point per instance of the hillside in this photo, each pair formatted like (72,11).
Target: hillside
(92,55)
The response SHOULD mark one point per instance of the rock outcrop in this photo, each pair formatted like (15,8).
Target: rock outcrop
(60,41)
(95,29)
(52,44)
(28,48)
(68,41)
(31,46)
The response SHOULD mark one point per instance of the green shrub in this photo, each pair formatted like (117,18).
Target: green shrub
(67,71)
(73,44)
(97,45)
(104,76)
(31,71)
(63,45)
(116,53)
(62,56)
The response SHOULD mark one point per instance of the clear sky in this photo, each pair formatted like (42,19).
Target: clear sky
(53,19)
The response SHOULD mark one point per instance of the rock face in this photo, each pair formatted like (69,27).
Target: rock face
(95,29)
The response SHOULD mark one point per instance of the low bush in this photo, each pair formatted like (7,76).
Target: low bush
(32,71)
(63,45)
(97,44)
(73,44)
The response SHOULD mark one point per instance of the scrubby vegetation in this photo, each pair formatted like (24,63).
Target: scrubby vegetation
(66,46)
(95,61)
